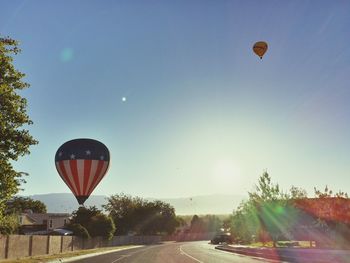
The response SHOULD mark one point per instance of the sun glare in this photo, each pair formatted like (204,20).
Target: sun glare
(226,171)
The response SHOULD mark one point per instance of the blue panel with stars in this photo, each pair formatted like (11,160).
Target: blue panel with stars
(87,149)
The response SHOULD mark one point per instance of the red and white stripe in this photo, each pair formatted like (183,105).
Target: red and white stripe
(82,176)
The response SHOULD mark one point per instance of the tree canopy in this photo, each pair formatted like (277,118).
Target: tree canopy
(328,193)
(19,204)
(14,139)
(265,190)
(265,215)
(204,224)
(139,216)
(271,215)
(78,230)
(93,221)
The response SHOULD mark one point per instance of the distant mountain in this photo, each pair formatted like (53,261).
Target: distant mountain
(66,202)
(206,204)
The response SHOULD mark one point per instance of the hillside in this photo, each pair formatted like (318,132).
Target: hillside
(206,204)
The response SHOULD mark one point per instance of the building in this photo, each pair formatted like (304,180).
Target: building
(41,223)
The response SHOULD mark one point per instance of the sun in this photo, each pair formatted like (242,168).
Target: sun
(226,171)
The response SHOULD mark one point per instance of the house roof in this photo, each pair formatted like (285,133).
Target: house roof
(40,217)
(29,218)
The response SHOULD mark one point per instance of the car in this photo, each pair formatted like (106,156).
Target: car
(60,232)
(222,238)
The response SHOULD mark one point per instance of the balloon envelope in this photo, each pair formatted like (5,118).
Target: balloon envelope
(260,48)
(82,163)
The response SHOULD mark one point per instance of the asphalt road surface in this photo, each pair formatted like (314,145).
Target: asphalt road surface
(182,252)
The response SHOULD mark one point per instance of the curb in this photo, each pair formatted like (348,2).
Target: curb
(74,258)
(256,253)
(291,255)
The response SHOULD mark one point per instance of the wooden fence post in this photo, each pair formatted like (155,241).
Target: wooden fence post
(48,245)
(30,245)
(7,246)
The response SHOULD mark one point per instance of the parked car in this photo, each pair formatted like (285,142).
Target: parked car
(222,238)
(61,232)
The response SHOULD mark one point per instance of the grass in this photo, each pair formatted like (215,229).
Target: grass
(302,244)
(260,244)
(46,258)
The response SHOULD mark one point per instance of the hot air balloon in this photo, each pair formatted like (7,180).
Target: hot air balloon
(82,163)
(260,48)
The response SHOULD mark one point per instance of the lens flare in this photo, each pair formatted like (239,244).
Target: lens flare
(66,54)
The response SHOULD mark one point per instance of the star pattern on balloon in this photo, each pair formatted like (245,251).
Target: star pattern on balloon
(82,163)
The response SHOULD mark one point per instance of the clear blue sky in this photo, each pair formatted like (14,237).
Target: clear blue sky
(203,114)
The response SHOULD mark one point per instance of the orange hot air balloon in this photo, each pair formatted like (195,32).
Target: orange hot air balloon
(260,48)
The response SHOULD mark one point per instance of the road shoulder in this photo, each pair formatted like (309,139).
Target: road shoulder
(291,254)
(70,256)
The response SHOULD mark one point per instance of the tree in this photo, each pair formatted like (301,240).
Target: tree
(79,230)
(265,190)
(196,224)
(19,204)
(297,193)
(181,222)
(136,215)
(208,223)
(161,218)
(213,223)
(269,214)
(9,224)
(263,215)
(101,225)
(245,223)
(14,140)
(83,215)
(121,208)
(327,193)
(94,221)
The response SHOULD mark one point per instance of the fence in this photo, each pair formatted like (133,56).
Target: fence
(190,237)
(19,246)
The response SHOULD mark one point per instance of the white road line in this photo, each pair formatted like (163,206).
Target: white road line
(184,253)
(122,257)
(132,253)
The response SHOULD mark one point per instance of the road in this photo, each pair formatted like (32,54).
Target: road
(182,252)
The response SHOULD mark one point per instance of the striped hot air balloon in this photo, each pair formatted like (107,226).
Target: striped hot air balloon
(82,163)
